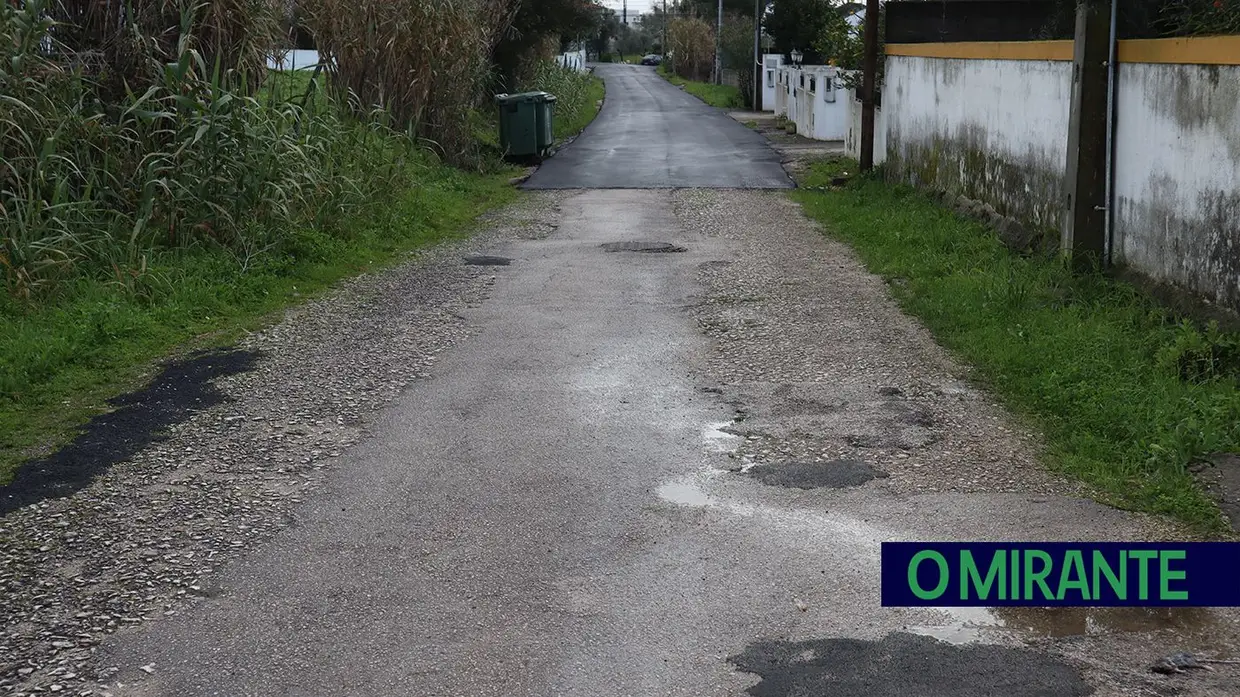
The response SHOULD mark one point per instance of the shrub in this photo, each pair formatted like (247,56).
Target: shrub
(92,188)
(424,63)
(693,46)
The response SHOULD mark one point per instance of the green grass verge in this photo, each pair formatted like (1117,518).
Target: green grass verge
(722,96)
(1127,394)
(66,358)
(571,122)
(61,361)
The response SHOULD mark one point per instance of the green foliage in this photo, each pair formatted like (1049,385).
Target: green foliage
(1126,396)
(842,45)
(693,48)
(536,21)
(737,53)
(576,96)
(92,190)
(1202,356)
(1200,17)
(392,57)
(800,24)
(722,96)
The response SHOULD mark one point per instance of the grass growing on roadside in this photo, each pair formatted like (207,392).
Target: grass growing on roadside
(62,357)
(722,96)
(577,95)
(1127,394)
(61,361)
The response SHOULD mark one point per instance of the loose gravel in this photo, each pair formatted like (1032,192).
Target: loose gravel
(820,365)
(143,539)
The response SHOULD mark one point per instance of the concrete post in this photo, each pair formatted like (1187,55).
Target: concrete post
(1083,235)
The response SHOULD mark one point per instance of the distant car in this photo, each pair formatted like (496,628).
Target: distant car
(652,59)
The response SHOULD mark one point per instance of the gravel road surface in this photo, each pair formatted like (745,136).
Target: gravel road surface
(661,467)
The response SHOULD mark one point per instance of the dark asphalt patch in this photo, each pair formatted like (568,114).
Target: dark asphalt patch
(651,247)
(902,665)
(835,474)
(141,418)
(487,260)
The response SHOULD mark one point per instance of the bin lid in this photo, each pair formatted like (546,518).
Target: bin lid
(523,97)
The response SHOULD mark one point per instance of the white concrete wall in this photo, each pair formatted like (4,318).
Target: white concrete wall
(771,63)
(781,91)
(997,130)
(296,59)
(994,130)
(1177,176)
(852,135)
(814,101)
(573,59)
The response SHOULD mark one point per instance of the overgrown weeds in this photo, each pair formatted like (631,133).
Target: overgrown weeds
(94,190)
(693,45)
(576,95)
(424,63)
(722,96)
(1128,394)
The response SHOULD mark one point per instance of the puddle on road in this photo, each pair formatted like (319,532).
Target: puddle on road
(718,440)
(972,625)
(1074,621)
(683,493)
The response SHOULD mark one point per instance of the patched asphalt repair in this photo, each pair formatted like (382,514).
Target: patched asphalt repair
(140,418)
(836,474)
(904,665)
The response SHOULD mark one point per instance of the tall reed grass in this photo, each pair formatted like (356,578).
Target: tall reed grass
(424,62)
(92,188)
(693,47)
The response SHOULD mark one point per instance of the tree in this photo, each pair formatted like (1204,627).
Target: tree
(693,47)
(799,25)
(608,29)
(737,54)
(534,23)
(842,44)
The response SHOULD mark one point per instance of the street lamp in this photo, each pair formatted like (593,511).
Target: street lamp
(796,57)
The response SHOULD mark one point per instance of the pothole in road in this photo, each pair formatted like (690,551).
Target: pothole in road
(904,664)
(486,260)
(836,474)
(639,246)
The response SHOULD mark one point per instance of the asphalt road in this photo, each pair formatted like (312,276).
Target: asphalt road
(556,510)
(651,134)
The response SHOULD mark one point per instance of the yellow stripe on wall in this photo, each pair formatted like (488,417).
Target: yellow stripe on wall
(1202,50)
(992,50)
(1205,50)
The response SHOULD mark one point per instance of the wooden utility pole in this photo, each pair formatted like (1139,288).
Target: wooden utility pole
(719,46)
(869,66)
(1083,237)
